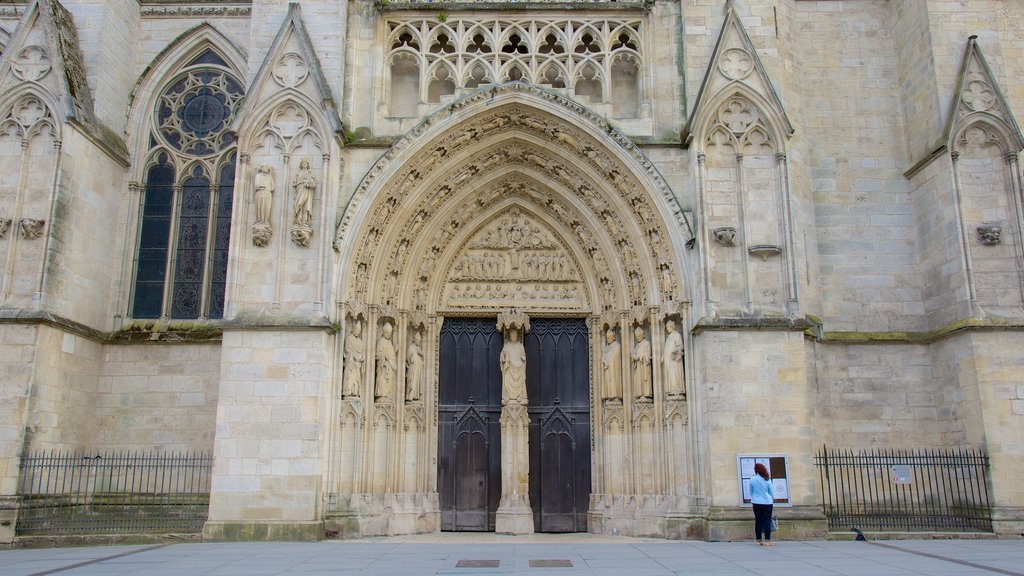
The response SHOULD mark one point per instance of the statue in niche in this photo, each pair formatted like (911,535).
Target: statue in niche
(611,368)
(642,385)
(302,211)
(413,369)
(354,354)
(674,387)
(513,369)
(387,363)
(263,196)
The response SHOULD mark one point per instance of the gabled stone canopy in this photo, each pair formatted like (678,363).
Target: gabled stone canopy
(978,99)
(292,68)
(43,56)
(434,195)
(735,69)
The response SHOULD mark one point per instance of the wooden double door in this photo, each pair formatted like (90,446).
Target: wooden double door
(469,431)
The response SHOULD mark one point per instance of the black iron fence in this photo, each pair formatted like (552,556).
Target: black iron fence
(113,493)
(905,490)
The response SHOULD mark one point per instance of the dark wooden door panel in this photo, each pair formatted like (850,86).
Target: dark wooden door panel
(469,431)
(558,386)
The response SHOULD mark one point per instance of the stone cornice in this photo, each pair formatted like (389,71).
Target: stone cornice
(811,326)
(207,8)
(173,332)
(444,5)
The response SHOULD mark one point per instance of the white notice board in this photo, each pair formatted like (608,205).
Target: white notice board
(778,469)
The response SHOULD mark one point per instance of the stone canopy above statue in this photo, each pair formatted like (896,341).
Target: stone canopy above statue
(515,260)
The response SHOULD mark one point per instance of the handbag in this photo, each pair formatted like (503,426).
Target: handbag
(775,524)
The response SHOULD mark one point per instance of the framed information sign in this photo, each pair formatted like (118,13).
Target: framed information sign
(777,465)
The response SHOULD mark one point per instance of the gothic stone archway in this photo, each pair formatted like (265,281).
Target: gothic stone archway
(501,203)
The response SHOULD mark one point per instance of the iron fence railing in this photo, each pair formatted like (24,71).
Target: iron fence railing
(905,490)
(113,492)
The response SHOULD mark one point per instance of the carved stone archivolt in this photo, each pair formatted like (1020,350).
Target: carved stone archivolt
(494,266)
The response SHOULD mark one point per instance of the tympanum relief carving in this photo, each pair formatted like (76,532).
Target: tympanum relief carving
(514,262)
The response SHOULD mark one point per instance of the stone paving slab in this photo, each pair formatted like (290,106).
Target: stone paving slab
(589,556)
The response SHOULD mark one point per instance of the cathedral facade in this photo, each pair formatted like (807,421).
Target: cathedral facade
(407,266)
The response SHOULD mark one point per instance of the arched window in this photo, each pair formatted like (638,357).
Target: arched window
(181,263)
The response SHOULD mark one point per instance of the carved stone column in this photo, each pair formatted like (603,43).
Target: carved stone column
(514,515)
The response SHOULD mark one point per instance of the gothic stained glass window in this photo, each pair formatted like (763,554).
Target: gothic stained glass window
(153,240)
(190,256)
(221,238)
(185,229)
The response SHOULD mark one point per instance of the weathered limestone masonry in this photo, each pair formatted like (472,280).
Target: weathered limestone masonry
(284,233)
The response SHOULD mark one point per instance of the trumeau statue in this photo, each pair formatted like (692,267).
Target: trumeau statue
(413,369)
(513,369)
(642,385)
(387,364)
(674,387)
(611,368)
(355,355)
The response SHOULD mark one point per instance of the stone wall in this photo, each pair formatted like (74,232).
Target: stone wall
(157,397)
(269,450)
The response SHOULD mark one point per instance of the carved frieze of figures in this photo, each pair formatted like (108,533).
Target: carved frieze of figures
(611,368)
(354,356)
(31,228)
(263,199)
(5,225)
(641,364)
(387,365)
(302,210)
(673,362)
(414,373)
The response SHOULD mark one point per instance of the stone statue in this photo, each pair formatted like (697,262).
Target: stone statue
(611,368)
(413,369)
(302,211)
(674,387)
(355,355)
(263,196)
(513,369)
(642,386)
(264,193)
(387,363)
(305,186)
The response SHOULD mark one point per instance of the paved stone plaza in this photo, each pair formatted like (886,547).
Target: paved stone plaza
(598,555)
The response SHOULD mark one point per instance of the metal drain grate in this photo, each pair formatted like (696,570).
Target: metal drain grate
(550,564)
(477,563)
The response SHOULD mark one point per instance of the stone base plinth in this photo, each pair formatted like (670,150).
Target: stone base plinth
(8,518)
(795,523)
(514,516)
(360,515)
(646,515)
(1008,521)
(256,531)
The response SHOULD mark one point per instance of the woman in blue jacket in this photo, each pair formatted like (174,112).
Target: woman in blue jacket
(762,496)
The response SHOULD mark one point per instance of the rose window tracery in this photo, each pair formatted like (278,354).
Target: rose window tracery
(195,111)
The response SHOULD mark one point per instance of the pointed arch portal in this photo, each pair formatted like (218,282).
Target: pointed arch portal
(512,198)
